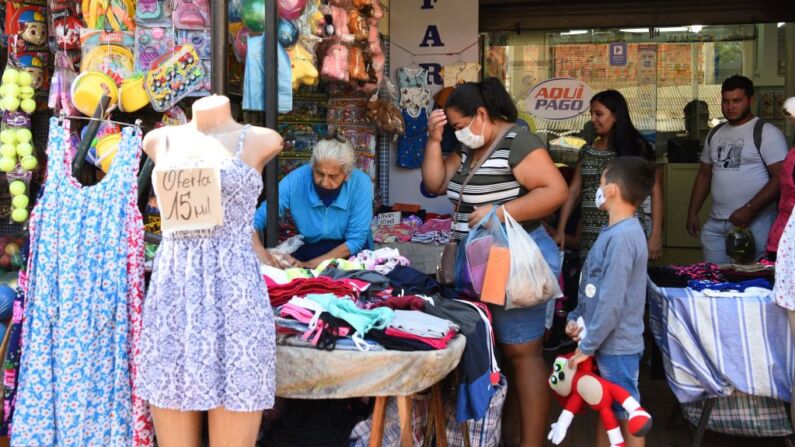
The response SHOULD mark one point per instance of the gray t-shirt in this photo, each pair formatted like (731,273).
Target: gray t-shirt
(737,171)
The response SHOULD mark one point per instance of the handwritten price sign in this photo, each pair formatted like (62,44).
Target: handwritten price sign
(189,198)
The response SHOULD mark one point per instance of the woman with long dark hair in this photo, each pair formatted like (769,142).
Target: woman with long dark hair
(616,136)
(520,176)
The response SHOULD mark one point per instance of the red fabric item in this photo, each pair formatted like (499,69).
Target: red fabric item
(408,302)
(785,202)
(436,343)
(281,294)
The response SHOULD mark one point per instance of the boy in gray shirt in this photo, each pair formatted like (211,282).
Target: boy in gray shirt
(612,292)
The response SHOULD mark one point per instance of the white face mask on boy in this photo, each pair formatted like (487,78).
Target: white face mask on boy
(600,199)
(468,138)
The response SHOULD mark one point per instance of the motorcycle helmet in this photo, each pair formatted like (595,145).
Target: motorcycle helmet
(740,245)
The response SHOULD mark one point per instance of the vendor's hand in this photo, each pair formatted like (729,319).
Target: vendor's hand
(573,330)
(286,261)
(479,213)
(265,257)
(655,247)
(577,358)
(693,225)
(742,216)
(436,124)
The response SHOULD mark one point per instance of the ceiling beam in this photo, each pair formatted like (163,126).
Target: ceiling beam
(506,15)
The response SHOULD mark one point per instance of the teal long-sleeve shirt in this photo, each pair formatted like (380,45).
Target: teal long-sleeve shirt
(347,218)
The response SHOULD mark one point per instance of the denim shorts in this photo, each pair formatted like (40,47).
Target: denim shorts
(518,326)
(623,371)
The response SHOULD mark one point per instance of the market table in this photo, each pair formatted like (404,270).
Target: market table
(423,257)
(308,373)
(713,347)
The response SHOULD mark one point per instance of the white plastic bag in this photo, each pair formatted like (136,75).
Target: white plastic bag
(531,281)
(290,245)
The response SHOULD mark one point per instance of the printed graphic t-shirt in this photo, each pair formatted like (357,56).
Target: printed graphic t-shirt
(737,170)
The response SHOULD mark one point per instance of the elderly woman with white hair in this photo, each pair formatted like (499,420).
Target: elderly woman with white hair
(330,201)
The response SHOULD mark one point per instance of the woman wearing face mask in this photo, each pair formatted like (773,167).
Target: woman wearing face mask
(616,136)
(520,175)
(330,202)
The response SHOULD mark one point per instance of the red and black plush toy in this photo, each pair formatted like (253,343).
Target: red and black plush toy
(580,386)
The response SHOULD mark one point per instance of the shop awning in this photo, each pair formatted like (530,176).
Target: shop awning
(510,15)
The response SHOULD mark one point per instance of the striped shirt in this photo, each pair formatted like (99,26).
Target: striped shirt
(494,182)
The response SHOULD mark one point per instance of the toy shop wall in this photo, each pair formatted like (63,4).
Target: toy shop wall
(429,34)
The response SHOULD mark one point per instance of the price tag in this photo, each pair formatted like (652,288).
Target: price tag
(189,198)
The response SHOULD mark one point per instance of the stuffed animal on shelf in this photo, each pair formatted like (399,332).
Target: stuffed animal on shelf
(304,70)
(580,386)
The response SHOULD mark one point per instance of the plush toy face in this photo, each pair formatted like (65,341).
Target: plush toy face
(34,32)
(304,71)
(562,377)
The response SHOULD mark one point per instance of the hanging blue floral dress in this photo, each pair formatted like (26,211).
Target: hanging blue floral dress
(75,381)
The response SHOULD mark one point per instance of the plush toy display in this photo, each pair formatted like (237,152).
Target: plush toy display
(577,387)
(304,71)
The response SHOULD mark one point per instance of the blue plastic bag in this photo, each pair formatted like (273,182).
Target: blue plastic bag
(473,254)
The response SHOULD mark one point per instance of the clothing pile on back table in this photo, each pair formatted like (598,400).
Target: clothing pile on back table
(435,231)
(681,275)
(400,311)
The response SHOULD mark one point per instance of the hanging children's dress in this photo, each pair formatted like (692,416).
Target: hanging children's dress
(75,372)
(208,337)
(415,106)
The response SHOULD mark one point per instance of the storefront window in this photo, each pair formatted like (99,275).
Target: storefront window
(659,71)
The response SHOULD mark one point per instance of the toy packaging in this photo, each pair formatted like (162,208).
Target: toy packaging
(153,13)
(114,15)
(109,53)
(65,25)
(174,76)
(26,27)
(192,14)
(150,44)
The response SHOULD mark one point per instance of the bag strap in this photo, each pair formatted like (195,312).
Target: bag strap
(759,127)
(713,131)
(480,162)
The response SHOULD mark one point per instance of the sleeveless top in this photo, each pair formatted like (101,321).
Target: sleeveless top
(208,337)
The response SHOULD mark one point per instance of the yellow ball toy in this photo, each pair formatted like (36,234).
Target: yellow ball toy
(19,215)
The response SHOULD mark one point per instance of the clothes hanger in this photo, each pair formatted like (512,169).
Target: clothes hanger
(63,116)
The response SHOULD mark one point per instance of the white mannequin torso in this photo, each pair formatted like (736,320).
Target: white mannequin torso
(212,121)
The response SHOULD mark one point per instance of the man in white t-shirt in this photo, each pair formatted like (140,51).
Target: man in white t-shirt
(740,165)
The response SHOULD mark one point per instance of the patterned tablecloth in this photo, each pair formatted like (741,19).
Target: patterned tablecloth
(714,346)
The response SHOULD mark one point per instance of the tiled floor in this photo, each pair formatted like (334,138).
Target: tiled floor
(670,428)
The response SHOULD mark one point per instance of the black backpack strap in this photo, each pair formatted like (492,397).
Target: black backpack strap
(712,133)
(759,127)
